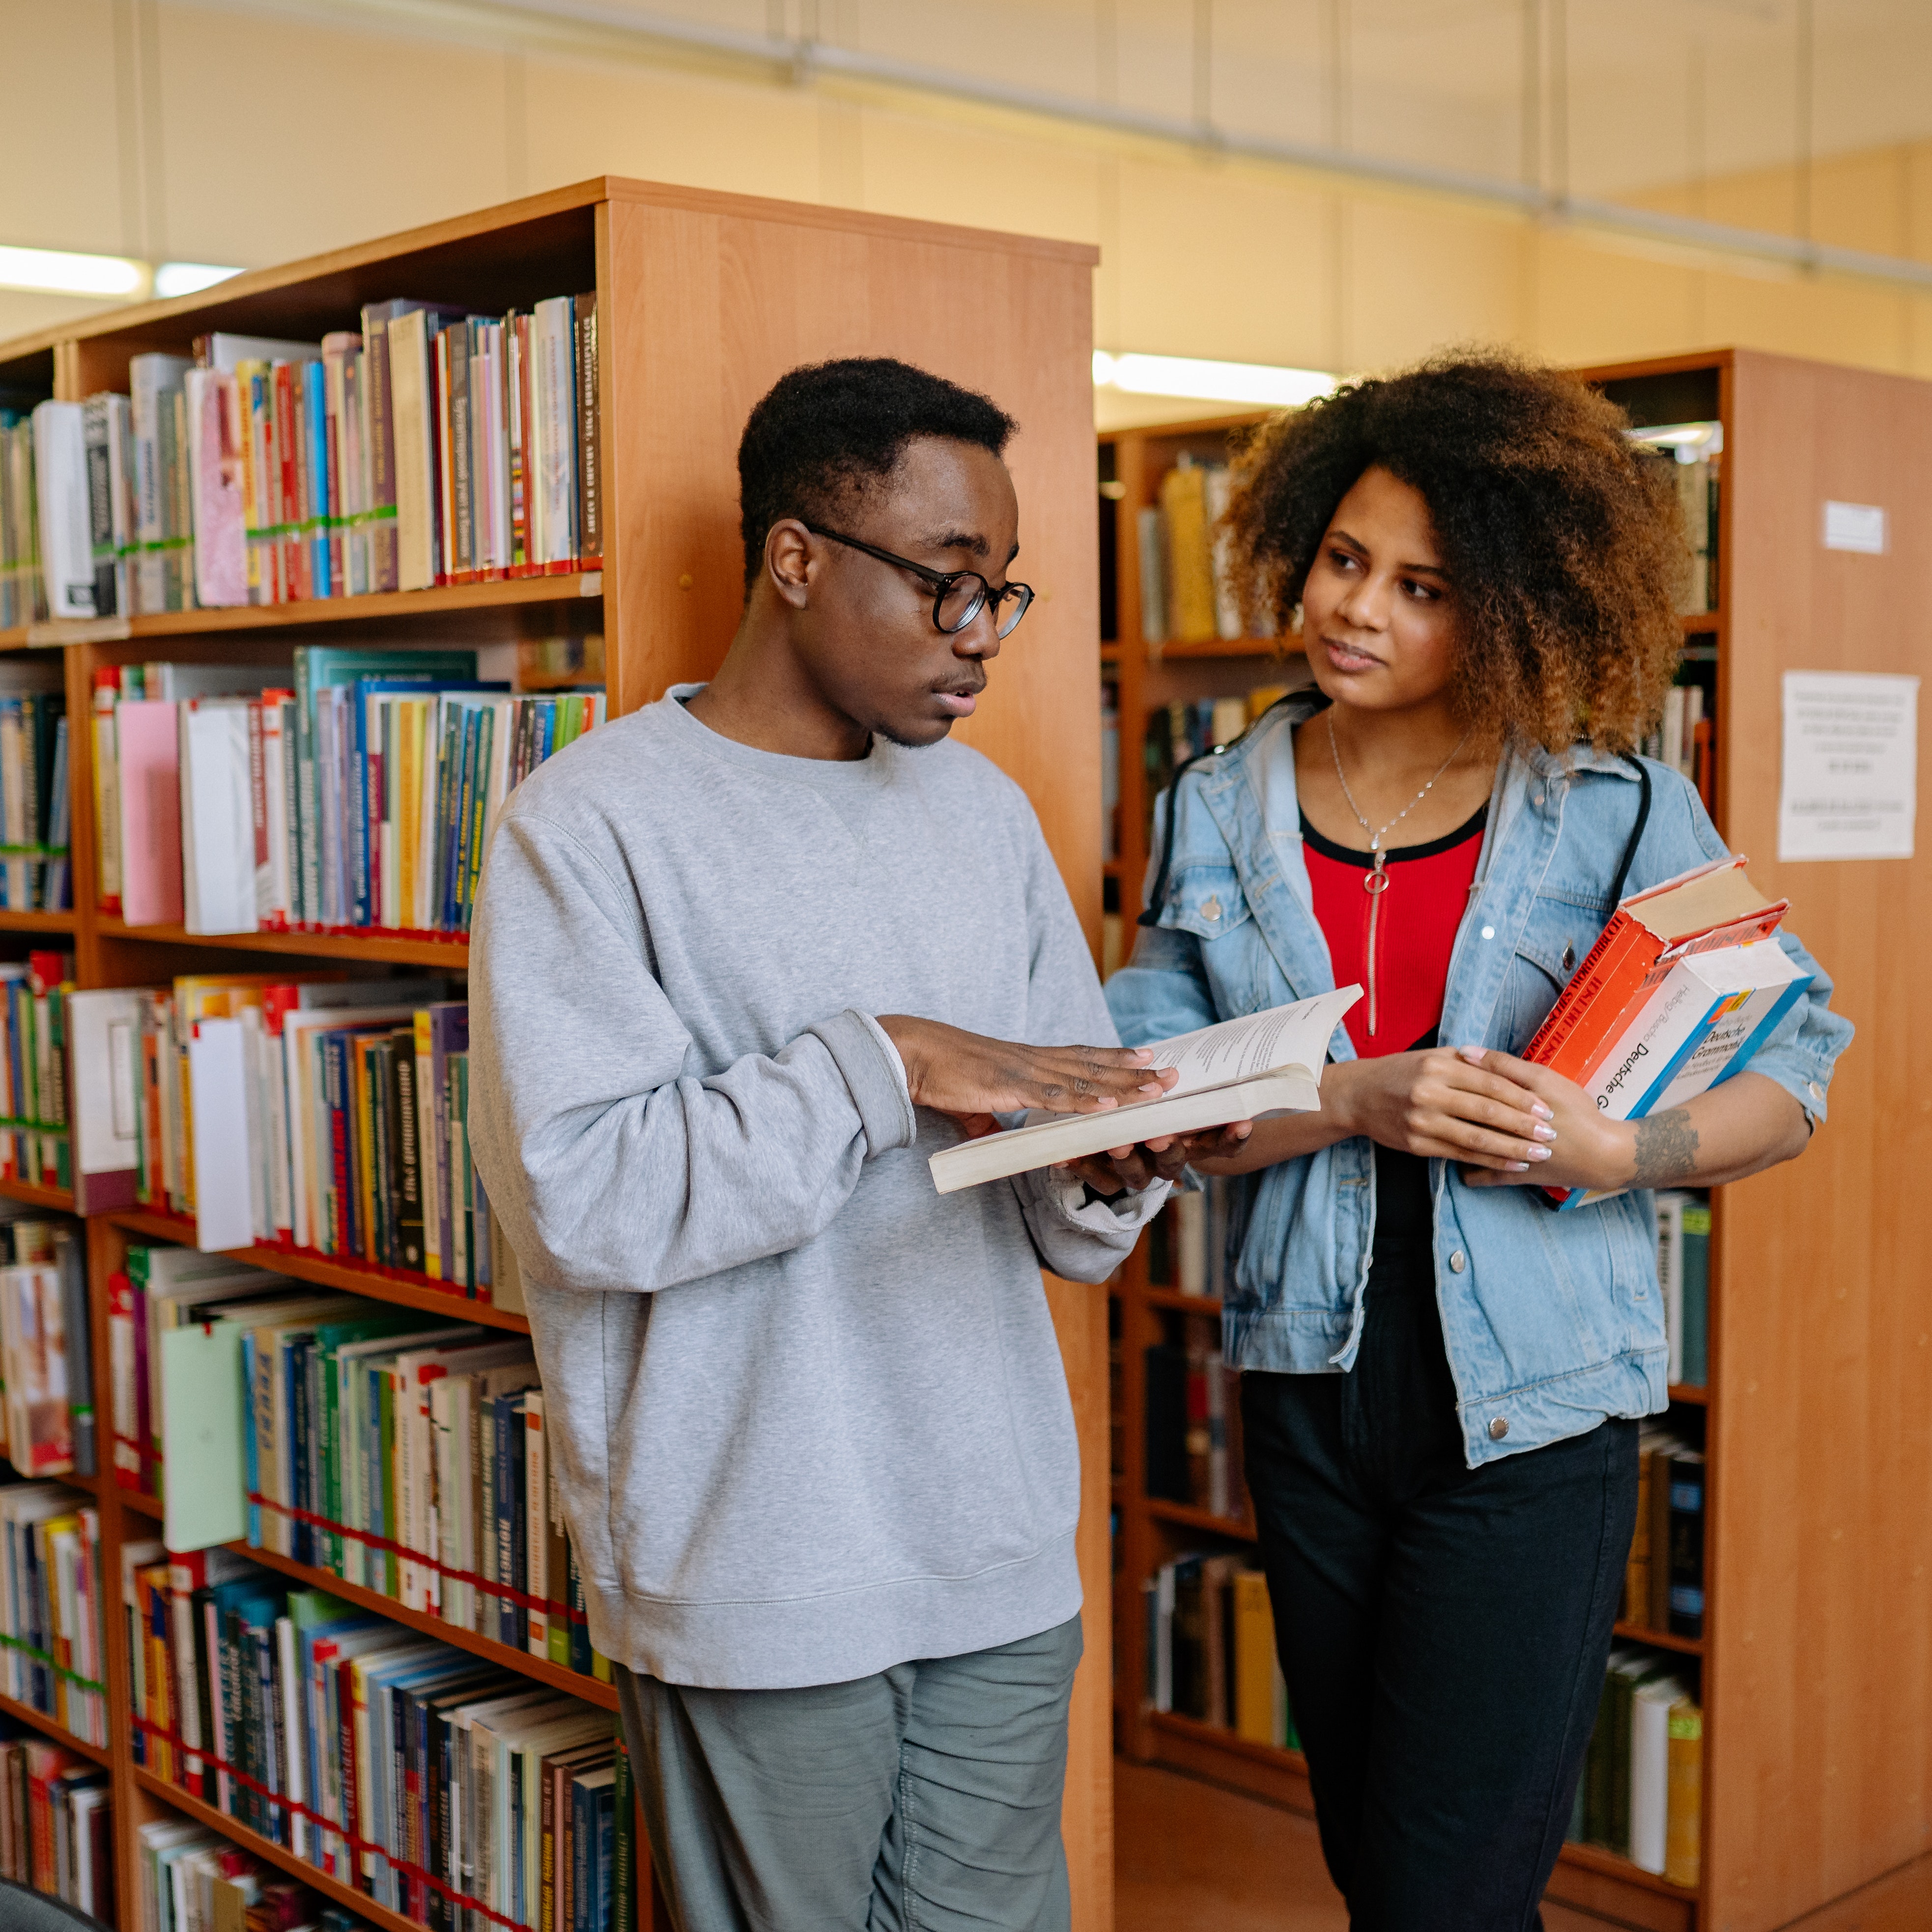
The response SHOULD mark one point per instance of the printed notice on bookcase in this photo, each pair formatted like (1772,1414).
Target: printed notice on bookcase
(1850,786)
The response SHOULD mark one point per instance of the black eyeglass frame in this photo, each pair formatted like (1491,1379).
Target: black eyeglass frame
(943,582)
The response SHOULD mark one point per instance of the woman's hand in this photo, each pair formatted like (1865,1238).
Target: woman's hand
(1441,1104)
(1586,1150)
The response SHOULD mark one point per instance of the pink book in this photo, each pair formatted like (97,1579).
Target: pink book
(214,487)
(151,846)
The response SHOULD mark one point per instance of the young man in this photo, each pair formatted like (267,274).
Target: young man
(742,961)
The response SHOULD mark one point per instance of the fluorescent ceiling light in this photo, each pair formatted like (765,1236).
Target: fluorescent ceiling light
(55,272)
(1688,441)
(188,278)
(1261,383)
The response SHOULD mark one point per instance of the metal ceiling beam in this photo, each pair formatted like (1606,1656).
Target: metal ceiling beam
(805,62)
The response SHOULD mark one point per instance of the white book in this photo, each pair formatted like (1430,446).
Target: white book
(60,483)
(1650,1770)
(1670,1206)
(553,468)
(1241,1069)
(413,421)
(217,816)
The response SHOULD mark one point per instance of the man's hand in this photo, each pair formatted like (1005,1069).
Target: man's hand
(972,1078)
(1129,1169)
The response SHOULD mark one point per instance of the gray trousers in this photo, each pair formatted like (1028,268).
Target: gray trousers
(924,1799)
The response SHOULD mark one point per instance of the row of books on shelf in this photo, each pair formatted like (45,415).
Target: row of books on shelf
(56,1822)
(1663,1576)
(320,1114)
(1210,1648)
(1192,1412)
(430,447)
(1189,591)
(446,1789)
(192,1880)
(47,1371)
(1641,1796)
(1685,739)
(349,789)
(1690,458)
(36,800)
(401,1453)
(51,1659)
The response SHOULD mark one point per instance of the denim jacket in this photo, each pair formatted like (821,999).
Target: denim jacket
(1551,1321)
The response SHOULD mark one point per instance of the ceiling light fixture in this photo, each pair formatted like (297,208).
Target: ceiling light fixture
(1265,385)
(56,271)
(188,278)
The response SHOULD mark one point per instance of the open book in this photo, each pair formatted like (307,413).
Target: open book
(1267,1063)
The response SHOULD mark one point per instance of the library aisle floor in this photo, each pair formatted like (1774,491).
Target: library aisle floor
(1193,1857)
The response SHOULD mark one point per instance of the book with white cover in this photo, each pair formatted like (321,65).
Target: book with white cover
(67,541)
(1241,1069)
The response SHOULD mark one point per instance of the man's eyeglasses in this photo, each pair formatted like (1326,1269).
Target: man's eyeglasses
(958,596)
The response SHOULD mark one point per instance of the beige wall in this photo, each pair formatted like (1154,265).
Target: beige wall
(252,136)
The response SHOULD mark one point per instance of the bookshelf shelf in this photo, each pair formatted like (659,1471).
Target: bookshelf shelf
(1219,647)
(15,921)
(592,1690)
(380,611)
(1696,623)
(59,1199)
(1691,1393)
(142,1505)
(1183,1304)
(189,1806)
(1594,1857)
(1241,1529)
(352,1278)
(1691,1646)
(450,955)
(101,1754)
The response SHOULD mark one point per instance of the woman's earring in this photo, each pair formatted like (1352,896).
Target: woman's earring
(1294,621)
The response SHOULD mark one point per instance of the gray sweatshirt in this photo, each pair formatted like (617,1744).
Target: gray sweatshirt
(808,1416)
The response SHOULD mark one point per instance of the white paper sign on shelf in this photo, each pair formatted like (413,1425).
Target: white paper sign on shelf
(1850,786)
(1854,526)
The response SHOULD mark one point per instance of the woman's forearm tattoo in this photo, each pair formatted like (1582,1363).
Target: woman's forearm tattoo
(1666,1149)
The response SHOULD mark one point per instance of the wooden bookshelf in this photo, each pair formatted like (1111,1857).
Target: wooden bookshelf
(61,1199)
(759,287)
(55,1732)
(1817,1415)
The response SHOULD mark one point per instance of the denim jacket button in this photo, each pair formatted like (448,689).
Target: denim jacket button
(1498,1429)
(1458,1262)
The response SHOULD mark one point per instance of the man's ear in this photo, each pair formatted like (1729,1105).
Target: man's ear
(790,558)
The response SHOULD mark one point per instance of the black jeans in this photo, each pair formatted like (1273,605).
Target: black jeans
(1443,1631)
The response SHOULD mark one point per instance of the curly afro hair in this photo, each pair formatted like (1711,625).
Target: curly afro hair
(1564,545)
(825,432)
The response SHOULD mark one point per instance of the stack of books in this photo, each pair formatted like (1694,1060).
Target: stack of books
(1189,592)
(192,1879)
(322,1115)
(46,1356)
(51,1659)
(35,1143)
(430,447)
(1683,985)
(1642,1792)
(351,791)
(56,1830)
(1663,1580)
(1193,1422)
(1210,1648)
(431,1781)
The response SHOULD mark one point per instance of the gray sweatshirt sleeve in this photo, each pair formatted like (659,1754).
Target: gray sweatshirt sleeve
(611,1164)
(1066,1008)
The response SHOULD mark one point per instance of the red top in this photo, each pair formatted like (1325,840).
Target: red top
(1395,944)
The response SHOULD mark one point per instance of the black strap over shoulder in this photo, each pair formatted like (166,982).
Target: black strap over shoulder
(1637,830)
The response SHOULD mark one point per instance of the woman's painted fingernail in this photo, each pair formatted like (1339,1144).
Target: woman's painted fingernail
(1473,1054)
(1543,1133)
(1541,1152)
(1541,1112)
(1516,1167)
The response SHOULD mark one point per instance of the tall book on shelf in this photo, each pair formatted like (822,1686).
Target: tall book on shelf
(1811,1430)
(655,586)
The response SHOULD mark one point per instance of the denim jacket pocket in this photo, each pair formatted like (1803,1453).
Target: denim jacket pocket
(1204,898)
(1559,932)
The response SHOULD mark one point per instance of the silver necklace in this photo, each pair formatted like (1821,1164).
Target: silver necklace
(1376,882)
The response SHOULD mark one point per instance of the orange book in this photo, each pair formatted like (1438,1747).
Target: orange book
(1716,905)
(1683,1851)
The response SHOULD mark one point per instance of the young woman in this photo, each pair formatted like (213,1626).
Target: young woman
(1442,1376)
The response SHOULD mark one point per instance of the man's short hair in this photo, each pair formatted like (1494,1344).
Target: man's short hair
(827,432)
